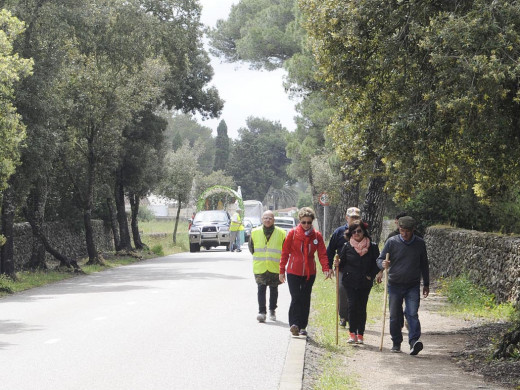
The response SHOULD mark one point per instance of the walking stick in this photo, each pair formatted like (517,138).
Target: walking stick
(385,281)
(336,270)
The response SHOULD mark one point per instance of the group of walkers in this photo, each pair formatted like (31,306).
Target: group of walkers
(280,257)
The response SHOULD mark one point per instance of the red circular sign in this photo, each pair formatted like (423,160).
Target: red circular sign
(324,199)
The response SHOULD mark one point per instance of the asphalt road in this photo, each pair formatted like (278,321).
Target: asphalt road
(186,321)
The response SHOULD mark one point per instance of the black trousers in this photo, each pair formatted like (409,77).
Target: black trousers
(273,298)
(300,289)
(357,309)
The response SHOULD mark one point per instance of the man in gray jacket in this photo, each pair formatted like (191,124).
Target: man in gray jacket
(408,263)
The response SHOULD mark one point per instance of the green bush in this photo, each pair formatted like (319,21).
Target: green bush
(466,297)
(305,200)
(6,284)
(158,250)
(145,214)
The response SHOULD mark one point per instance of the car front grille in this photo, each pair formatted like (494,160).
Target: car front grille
(207,229)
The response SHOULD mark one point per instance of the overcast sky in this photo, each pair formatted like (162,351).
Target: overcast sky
(246,92)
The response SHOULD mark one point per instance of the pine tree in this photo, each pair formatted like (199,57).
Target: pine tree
(221,147)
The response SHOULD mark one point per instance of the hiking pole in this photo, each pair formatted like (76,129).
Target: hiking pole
(385,298)
(336,270)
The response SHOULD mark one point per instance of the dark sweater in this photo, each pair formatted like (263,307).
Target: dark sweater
(337,240)
(408,261)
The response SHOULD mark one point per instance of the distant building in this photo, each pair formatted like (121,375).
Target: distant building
(288,212)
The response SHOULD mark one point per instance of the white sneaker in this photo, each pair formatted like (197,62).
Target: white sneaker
(261,317)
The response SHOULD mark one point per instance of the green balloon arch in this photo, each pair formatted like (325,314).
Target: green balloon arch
(210,199)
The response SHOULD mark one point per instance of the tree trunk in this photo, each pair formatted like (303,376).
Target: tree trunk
(7,250)
(134,204)
(349,196)
(93,255)
(113,224)
(124,233)
(508,347)
(64,260)
(34,213)
(375,200)
(176,221)
(350,189)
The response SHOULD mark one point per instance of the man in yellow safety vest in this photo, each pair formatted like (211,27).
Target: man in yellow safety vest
(234,230)
(265,244)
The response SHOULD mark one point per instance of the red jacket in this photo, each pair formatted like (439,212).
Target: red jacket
(298,253)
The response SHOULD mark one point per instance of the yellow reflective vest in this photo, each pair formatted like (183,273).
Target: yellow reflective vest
(237,224)
(267,253)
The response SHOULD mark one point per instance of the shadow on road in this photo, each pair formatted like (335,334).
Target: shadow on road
(132,277)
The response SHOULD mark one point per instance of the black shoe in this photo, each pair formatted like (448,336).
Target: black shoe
(342,322)
(416,348)
(303,332)
(396,348)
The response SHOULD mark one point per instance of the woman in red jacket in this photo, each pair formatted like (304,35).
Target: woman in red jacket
(298,262)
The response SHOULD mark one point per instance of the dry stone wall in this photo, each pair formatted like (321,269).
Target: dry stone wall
(489,259)
(67,239)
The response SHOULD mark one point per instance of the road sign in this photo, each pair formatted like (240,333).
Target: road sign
(324,199)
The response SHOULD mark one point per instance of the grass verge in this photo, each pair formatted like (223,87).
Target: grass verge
(158,236)
(323,322)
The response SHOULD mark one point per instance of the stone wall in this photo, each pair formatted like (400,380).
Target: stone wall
(68,240)
(491,260)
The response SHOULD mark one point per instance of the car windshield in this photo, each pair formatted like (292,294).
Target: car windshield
(284,225)
(278,221)
(211,216)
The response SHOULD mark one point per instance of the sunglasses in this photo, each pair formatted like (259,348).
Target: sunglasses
(306,222)
(357,231)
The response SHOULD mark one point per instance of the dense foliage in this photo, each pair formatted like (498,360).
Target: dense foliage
(258,160)
(102,71)
(429,88)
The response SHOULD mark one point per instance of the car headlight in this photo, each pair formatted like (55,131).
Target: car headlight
(194,229)
(224,229)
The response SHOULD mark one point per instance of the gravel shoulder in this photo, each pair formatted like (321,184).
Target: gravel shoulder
(454,356)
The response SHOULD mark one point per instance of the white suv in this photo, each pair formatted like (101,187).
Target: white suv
(209,228)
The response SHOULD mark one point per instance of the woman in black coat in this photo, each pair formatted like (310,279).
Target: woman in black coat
(357,261)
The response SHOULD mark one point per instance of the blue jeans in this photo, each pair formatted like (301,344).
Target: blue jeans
(411,297)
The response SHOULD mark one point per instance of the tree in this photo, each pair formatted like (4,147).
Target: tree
(315,112)
(261,32)
(113,81)
(141,165)
(202,182)
(13,68)
(184,127)
(181,168)
(221,147)
(12,131)
(437,80)
(258,159)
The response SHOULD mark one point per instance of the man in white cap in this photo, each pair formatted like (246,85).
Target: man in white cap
(337,240)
